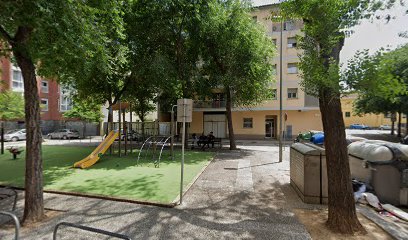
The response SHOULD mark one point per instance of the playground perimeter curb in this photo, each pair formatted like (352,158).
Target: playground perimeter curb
(177,199)
(96,196)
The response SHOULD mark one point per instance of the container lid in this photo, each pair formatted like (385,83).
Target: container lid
(305,149)
(380,152)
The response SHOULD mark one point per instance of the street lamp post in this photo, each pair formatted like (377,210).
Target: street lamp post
(280,91)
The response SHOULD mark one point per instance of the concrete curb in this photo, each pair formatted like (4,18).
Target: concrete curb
(96,196)
(177,199)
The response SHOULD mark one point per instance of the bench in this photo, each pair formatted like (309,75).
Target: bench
(217,141)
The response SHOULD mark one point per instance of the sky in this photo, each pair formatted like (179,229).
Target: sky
(370,35)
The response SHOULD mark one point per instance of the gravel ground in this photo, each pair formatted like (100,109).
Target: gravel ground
(243,194)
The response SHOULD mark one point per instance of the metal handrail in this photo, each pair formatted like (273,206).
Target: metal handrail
(16,222)
(15,197)
(89,229)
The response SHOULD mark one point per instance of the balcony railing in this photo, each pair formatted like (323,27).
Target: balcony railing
(209,104)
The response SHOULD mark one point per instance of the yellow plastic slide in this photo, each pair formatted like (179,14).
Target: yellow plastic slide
(101,149)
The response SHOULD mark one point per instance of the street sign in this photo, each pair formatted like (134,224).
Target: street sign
(187,114)
(184,114)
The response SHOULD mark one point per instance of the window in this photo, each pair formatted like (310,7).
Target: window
(347,114)
(292,93)
(292,42)
(44,104)
(247,122)
(65,99)
(289,25)
(388,115)
(44,86)
(17,81)
(292,68)
(275,42)
(274,94)
(275,69)
(404,115)
(255,18)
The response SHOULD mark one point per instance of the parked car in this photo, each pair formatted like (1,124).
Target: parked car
(359,126)
(385,127)
(15,135)
(64,134)
(404,140)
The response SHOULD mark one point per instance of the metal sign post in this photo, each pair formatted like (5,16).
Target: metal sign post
(184,114)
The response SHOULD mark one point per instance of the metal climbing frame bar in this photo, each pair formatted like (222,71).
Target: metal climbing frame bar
(153,141)
(89,229)
(157,163)
(16,222)
(5,196)
(141,149)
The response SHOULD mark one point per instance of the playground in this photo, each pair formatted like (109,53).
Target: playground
(111,175)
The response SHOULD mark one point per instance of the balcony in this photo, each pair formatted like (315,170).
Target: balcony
(209,104)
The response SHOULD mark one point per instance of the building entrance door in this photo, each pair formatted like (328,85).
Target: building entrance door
(270,127)
(215,123)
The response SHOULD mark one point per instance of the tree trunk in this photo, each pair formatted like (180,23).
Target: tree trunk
(406,124)
(83,129)
(143,127)
(342,212)
(110,118)
(231,134)
(110,123)
(34,202)
(392,126)
(399,124)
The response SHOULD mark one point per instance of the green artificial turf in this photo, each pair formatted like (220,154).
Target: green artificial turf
(111,175)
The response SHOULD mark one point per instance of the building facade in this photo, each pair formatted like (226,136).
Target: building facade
(54,100)
(301,111)
(371,120)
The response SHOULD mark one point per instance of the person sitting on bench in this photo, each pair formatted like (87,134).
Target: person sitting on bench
(195,140)
(202,140)
(210,140)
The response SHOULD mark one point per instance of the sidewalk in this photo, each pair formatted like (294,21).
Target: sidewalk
(242,194)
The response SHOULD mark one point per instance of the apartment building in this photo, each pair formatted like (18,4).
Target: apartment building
(301,111)
(54,98)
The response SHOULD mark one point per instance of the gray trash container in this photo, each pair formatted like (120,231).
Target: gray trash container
(308,175)
(383,166)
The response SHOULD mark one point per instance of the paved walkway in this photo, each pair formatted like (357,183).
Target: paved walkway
(242,194)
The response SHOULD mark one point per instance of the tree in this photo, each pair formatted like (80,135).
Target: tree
(11,105)
(325,26)
(237,55)
(86,111)
(104,76)
(48,37)
(167,32)
(141,97)
(381,82)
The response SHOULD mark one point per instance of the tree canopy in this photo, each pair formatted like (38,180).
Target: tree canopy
(87,111)
(381,81)
(11,105)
